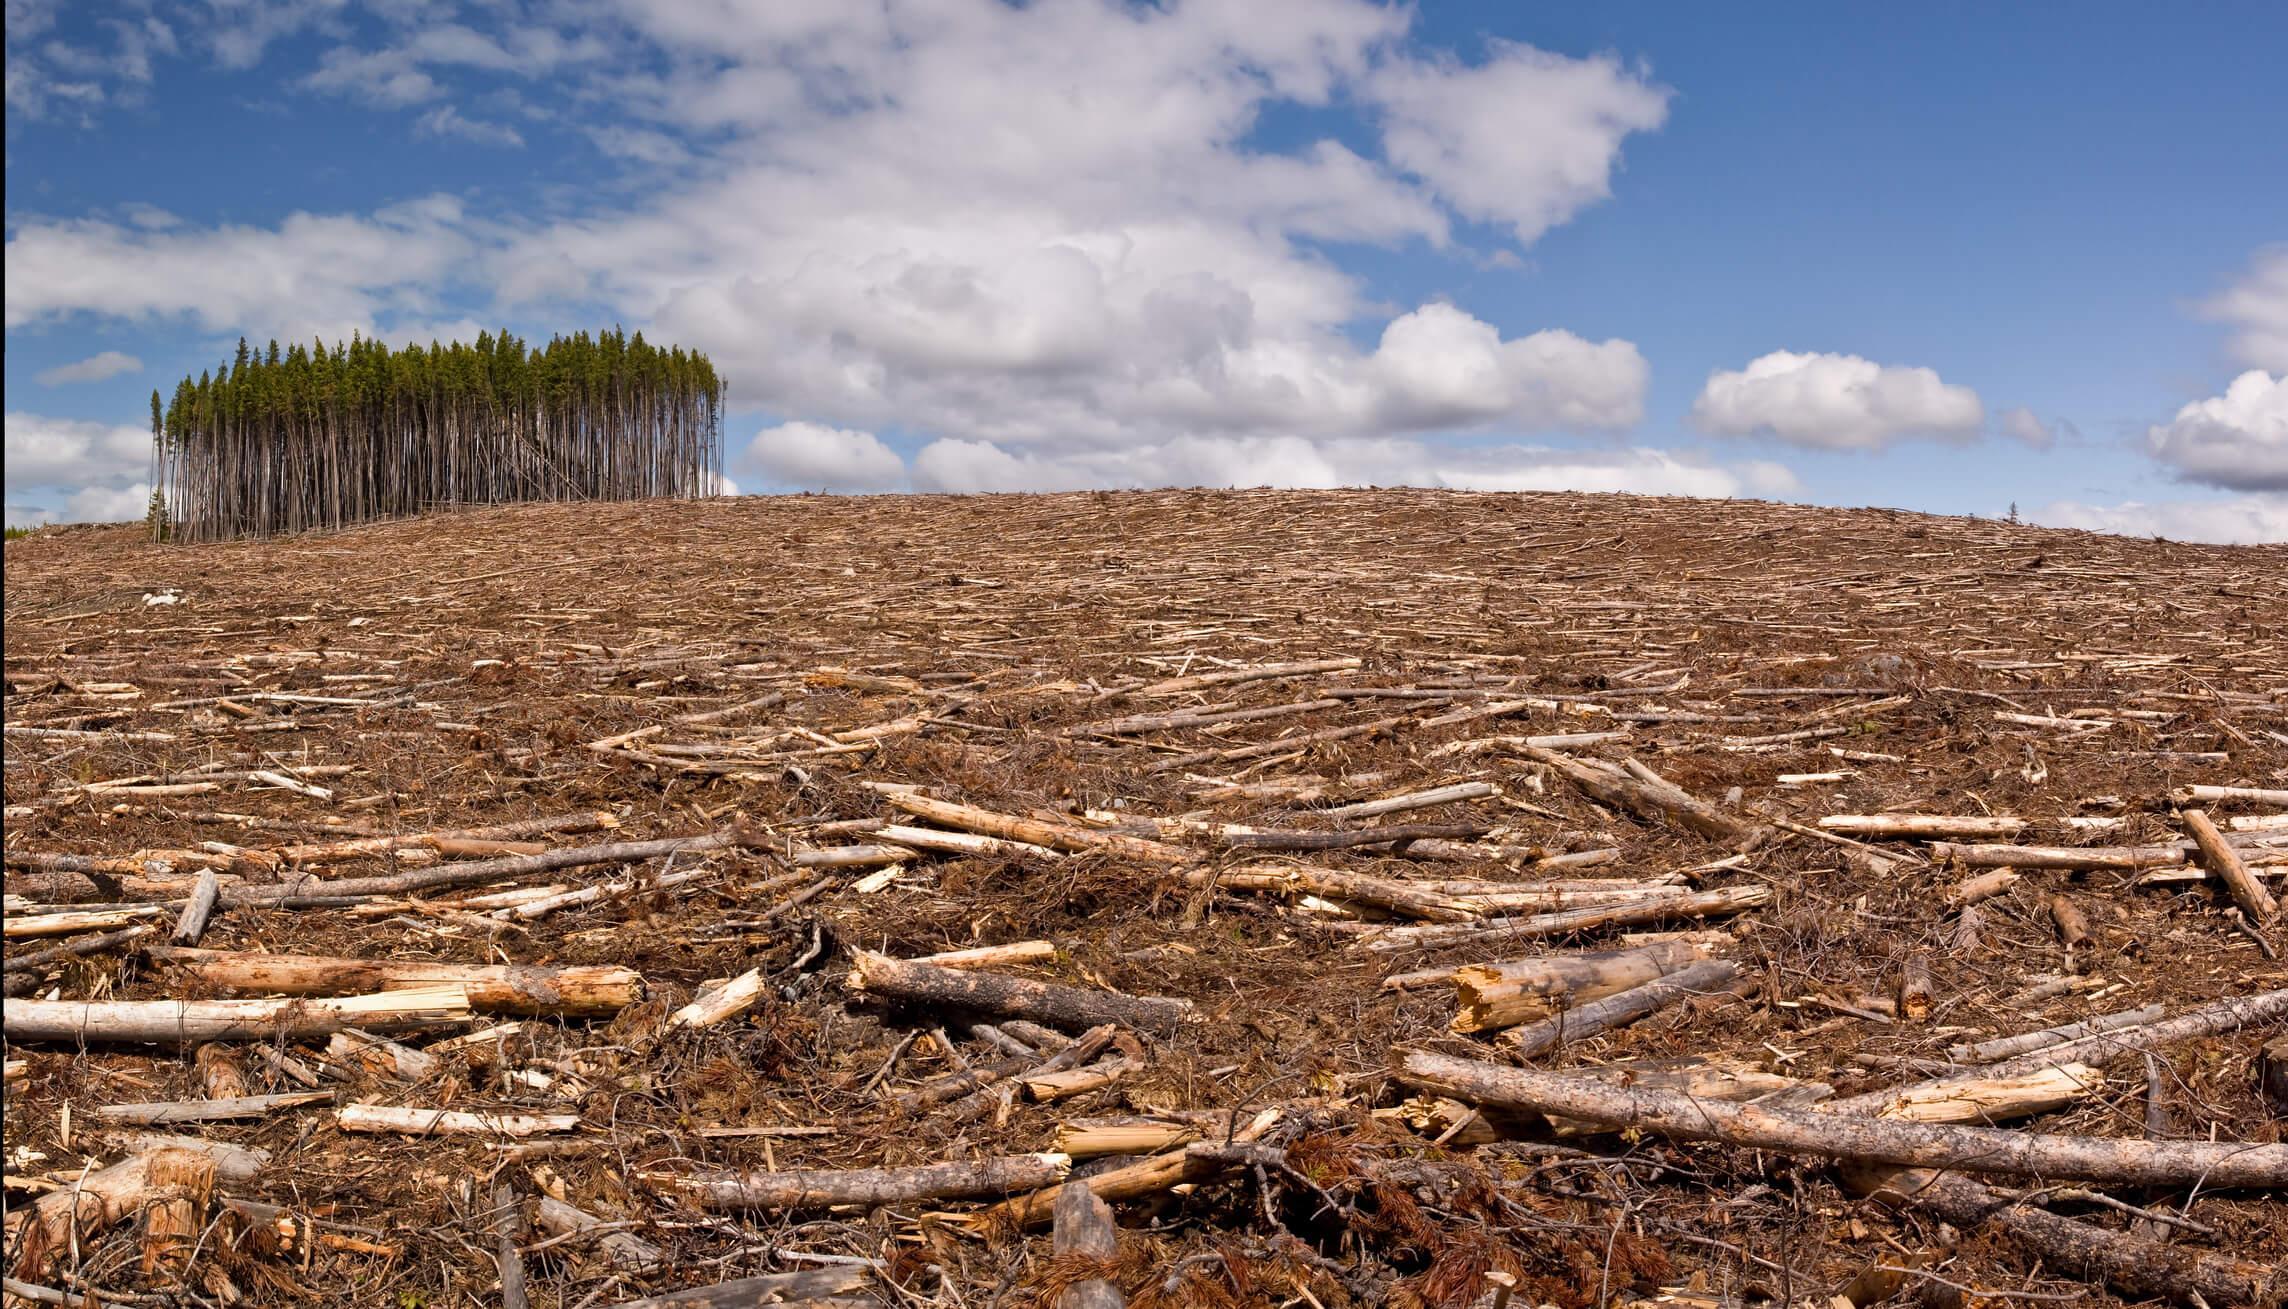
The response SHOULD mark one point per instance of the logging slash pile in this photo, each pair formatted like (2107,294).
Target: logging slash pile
(1229,899)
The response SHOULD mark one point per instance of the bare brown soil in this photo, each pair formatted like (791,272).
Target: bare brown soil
(455,671)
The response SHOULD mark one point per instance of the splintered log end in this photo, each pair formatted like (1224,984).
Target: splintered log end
(178,1187)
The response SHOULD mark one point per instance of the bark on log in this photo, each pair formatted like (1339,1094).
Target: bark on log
(824,1188)
(1622,1007)
(192,924)
(508,1229)
(481,871)
(450,1122)
(1994,1099)
(2226,864)
(45,1229)
(2125,1261)
(1057,1005)
(159,1113)
(1836,1136)
(1382,893)
(816,1288)
(577,991)
(1084,1230)
(178,1188)
(1647,794)
(2008,1047)
(1499,995)
(626,1251)
(38,959)
(1033,831)
(1700,904)
(1975,826)
(187,1022)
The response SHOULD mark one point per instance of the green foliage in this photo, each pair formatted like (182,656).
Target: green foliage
(283,439)
(18,533)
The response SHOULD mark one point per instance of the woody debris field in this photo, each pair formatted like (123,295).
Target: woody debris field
(1177,898)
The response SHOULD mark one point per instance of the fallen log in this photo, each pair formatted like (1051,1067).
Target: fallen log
(162,1112)
(1033,831)
(625,1250)
(1838,1136)
(2226,865)
(187,1022)
(579,991)
(1492,996)
(1052,1003)
(54,1224)
(1699,904)
(812,1288)
(1084,1231)
(448,1122)
(1646,794)
(826,1188)
(36,960)
(2006,1047)
(479,871)
(1979,826)
(1991,1099)
(1622,1008)
(2124,1260)
(1383,893)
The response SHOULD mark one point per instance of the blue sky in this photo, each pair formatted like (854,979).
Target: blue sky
(1943,257)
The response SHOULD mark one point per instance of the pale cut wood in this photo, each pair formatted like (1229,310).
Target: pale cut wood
(1967,826)
(192,923)
(481,871)
(1084,1230)
(45,1230)
(569,991)
(625,1250)
(2006,1047)
(1621,1008)
(1235,676)
(352,1050)
(969,843)
(2228,867)
(1996,1099)
(1057,1005)
(1698,904)
(221,1072)
(1340,884)
(1036,832)
(178,1188)
(1437,795)
(1148,1176)
(812,1288)
(162,1112)
(1498,995)
(448,1122)
(187,1022)
(989,956)
(2207,795)
(825,1188)
(1830,1135)
(722,1004)
(18,927)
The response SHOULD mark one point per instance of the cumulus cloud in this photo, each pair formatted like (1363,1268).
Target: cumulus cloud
(2023,426)
(2257,308)
(811,457)
(2237,440)
(955,465)
(445,120)
(312,274)
(94,368)
(1834,402)
(1525,139)
(2241,520)
(71,470)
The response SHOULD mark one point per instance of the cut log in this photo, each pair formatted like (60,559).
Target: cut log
(1914,989)
(1085,1231)
(1069,1007)
(1492,996)
(2007,1047)
(2272,1075)
(36,960)
(2226,865)
(1033,831)
(508,1229)
(1148,1176)
(192,923)
(49,1228)
(1835,1136)
(2208,795)
(19,927)
(575,991)
(626,1251)
(178,1187)
(1699,904)
(725,1002)
(1382,893)
(812,1288)
(989,956)
(162,1112)
(1647,794)
(1972,826)
(825,1188)
(480,871)
(188,1022)
(220,1072)
(1412,800)
(1994,1099)
(2123,1260)
(968,843)
(352,1051)
(448,1122)
(1622,1008)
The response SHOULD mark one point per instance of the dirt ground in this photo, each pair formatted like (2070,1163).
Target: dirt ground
(502,665)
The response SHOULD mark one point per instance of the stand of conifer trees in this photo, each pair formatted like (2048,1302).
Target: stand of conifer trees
(325,437)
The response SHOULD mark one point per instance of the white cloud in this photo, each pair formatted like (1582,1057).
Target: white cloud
(2257,308)
(45,451)
(2023,426)
(954,465)
(2242,520)
(2237,440)
(100,504)
(445,120)
(313,274)
(1526,139)
(94,368)
(1834,402)
(1045,227)
(809,457)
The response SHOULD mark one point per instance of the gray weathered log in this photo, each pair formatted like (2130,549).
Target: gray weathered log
(993,994)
